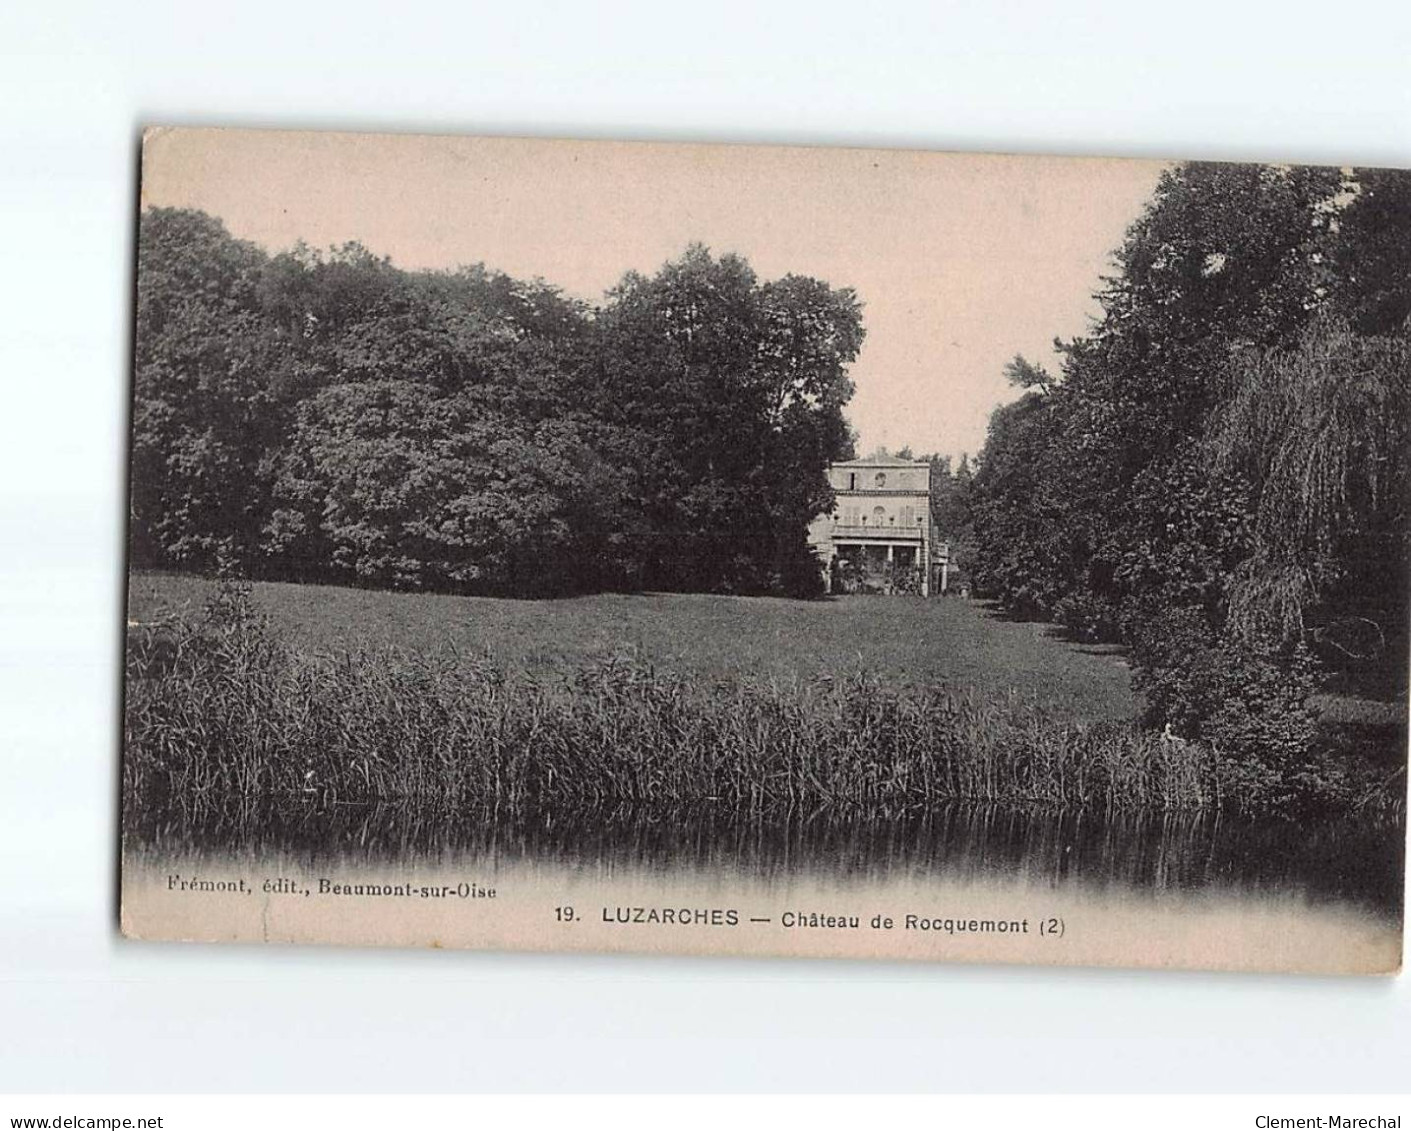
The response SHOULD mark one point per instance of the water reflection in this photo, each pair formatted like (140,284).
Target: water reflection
(1357,862)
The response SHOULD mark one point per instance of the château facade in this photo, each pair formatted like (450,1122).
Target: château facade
(879,535)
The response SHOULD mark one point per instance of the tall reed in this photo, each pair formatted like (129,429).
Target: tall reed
(220,711)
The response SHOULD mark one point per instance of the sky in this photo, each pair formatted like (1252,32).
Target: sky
(960,260)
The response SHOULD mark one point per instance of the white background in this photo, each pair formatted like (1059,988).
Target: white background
(81,1009)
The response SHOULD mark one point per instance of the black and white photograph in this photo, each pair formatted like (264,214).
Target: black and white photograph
(636,565)
(817,552)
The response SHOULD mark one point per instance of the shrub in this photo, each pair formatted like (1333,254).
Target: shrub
(1088,617)
(1249,703)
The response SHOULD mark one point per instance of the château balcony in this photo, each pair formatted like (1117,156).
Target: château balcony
(883,531)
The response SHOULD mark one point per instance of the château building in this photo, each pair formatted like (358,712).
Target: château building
(879,534)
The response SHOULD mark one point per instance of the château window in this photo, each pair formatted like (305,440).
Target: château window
(880,480)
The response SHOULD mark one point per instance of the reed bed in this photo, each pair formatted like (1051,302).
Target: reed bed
(219,711)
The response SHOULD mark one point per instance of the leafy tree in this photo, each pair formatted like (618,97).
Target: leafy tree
(445,447)
(1217,477)
(1365,275)
(207,362)
(390,484)
(741,385)
(1323,428)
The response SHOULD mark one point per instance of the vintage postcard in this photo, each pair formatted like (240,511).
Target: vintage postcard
(746,550)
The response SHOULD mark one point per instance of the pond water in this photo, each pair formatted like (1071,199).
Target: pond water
(1054,887)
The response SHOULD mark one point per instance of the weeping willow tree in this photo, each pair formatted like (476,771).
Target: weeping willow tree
(1322,431)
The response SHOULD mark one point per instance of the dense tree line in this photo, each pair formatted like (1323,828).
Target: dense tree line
(327,416)
(1218,474)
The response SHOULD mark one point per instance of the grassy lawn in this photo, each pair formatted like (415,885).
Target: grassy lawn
(902,639)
